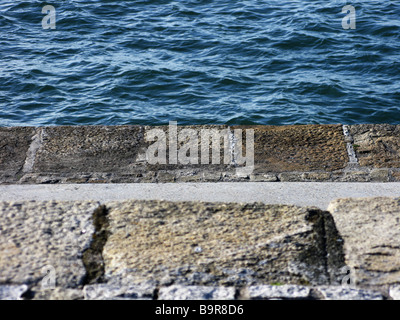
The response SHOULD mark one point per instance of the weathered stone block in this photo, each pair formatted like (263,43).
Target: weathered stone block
(266,292)
(370,228)
(316,176)
(355,176)
(57,294)
(377,145)
(196,293)
(298,148)
(290,177)
(192,243)
(174,144)
(102,291)
(342,293)
(379,175)
(269,177)
(40,239)
(90,149)
(14,145)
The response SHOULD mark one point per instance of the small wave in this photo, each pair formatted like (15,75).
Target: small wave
(198,62)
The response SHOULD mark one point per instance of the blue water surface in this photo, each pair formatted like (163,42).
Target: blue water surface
(199,62)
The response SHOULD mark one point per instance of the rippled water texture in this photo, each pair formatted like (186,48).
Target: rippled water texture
(199,62)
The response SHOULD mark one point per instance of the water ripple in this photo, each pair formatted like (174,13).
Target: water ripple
(199,62)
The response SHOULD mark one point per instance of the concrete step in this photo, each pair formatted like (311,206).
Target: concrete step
(318,194)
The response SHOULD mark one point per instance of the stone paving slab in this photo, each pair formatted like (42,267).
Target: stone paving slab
(297,148)
(14,146)
(118,154)
(371,232)
(86,154)
(377,145)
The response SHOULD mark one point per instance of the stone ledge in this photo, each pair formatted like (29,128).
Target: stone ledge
(116,154)
(371,233)
(377,146)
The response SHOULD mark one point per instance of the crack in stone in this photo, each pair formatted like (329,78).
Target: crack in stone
(92,257)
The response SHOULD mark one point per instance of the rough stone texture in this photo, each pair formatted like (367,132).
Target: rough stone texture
(34,235)
(342,293)
(266,292)
(394,175)
(56,294)
(142,291)
(380,175)
(192,243)
(12,292)
(191,250)
(113,154)
(298,148)
(117,154)
(370,228)
(14,145)
(182,170)
(264,177)
(177,292)
(290,176)
(316,176)
(377,145)
(87,150)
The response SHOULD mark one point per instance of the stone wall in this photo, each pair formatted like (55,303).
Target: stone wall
(194,250)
